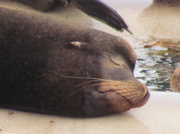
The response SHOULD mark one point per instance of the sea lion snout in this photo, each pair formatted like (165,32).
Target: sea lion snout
(133,91)
(118,90)
(116,96)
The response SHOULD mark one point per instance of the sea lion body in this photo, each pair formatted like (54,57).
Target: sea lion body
(42,5)
(53,67)
(176,2)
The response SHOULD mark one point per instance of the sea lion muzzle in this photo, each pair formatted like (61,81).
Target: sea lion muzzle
(117,91)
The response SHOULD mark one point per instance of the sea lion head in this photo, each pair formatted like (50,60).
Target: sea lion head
(111,86)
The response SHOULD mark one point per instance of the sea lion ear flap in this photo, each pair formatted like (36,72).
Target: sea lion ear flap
(79,44)
(83,46)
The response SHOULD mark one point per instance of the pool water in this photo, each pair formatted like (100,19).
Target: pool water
(154,65)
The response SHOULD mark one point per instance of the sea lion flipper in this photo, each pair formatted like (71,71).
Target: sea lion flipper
(102,12)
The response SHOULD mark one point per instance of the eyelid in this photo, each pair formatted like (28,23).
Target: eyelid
(114,61)
(118,61)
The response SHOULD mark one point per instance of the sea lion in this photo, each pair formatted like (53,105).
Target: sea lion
(42,5)
(170,2)
(175,80)
(94,8)
(54,67)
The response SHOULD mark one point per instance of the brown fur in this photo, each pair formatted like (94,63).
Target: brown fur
(175,80)
(43,5)
(41,70)
(170,2)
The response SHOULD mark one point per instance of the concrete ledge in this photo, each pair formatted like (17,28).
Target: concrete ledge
(159,116)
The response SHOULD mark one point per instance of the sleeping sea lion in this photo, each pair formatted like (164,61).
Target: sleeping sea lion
(54,67)
(175,80)
(94,8)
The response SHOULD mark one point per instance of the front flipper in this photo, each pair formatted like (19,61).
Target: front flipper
(102,12)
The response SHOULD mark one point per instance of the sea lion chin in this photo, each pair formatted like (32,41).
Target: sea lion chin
(54,67)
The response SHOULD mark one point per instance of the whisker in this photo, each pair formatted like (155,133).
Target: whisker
(80,90)
(111,84)
(130,95)
(76,77)
(87,82)
(84,88)
(102,84)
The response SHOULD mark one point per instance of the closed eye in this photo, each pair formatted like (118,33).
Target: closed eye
(114,62)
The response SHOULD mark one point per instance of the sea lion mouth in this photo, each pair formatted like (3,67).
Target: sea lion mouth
(116,101)
(124,95)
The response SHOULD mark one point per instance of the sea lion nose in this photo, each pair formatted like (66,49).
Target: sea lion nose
(120,83)
(111,97)
(129,94)
(142,101)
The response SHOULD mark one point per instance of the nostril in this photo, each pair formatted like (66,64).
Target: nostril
(142,101)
